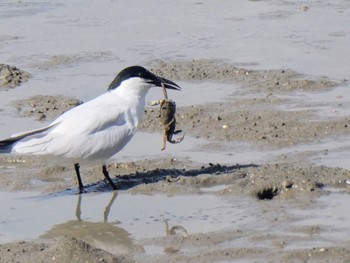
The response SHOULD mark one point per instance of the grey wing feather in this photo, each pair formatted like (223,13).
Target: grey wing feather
(17,137)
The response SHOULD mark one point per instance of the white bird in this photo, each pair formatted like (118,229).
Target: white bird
(96,130)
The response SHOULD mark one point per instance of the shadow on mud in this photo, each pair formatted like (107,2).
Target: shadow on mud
(126,182)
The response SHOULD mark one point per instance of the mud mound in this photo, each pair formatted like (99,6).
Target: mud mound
(45,107)
(270,80)
(64,249)
(11,77)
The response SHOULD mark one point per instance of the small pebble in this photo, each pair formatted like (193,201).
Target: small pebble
(287,184)
(304,8)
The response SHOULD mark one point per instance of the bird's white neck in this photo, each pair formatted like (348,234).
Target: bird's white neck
(133,88)
(133,92)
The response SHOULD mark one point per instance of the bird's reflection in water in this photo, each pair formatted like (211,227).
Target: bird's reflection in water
(103,235)
(174,238)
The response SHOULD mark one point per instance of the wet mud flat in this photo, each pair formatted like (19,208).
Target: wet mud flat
(285,206)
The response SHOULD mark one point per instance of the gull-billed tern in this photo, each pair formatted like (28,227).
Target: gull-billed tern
(96,130)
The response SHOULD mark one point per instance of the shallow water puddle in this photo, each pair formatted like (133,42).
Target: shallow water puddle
(332,103)
(331,214)
(123,222)
(27,215)
(325,224)
(334,157)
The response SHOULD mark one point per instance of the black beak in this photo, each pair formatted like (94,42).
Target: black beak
(168,84)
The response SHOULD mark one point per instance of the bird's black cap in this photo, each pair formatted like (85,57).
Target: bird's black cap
(141,72)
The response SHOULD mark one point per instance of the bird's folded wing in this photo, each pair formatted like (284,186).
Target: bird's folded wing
(19,136)
(31,132)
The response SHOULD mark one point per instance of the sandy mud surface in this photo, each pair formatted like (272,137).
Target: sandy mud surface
(262,174)
(276,196)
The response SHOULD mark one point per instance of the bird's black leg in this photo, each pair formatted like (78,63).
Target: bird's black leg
(106,174)
(81,186)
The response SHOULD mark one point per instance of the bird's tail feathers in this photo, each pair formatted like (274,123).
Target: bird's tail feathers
(5,145)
